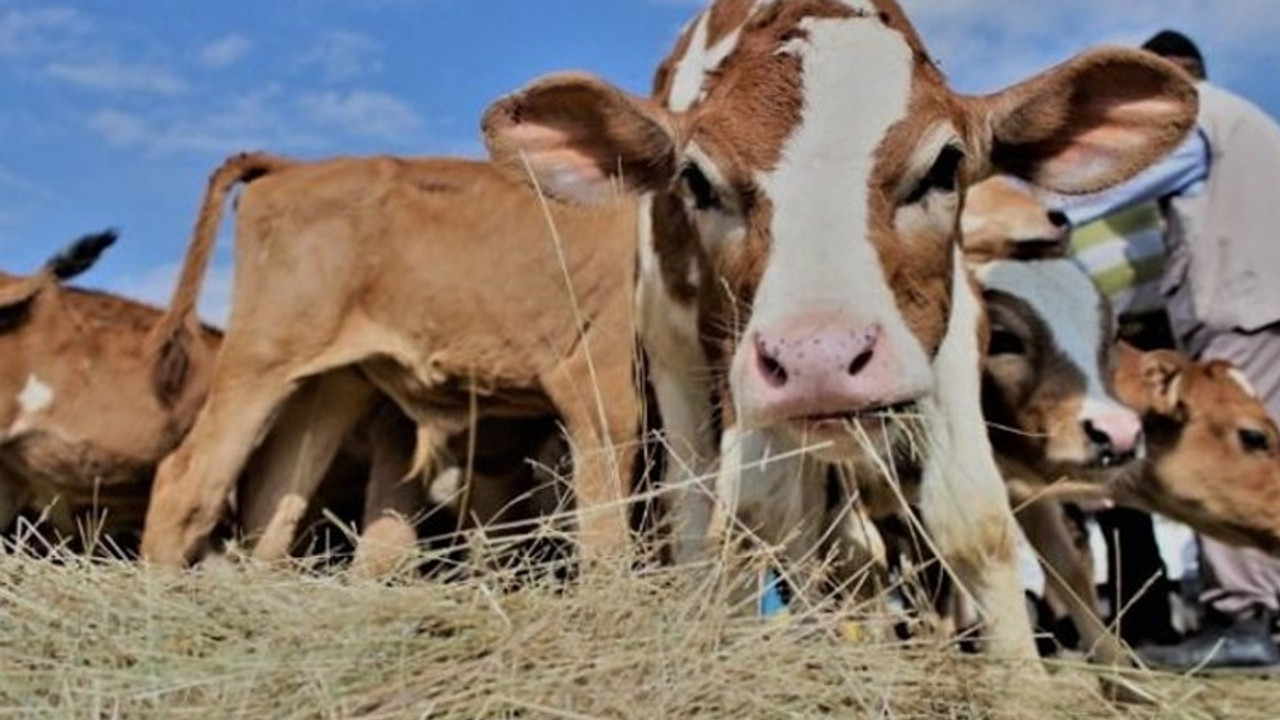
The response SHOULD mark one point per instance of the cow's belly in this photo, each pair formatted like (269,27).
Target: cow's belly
(446,396)
(75,480)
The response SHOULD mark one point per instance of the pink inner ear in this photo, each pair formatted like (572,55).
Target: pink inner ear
(560,169)
(1107,149)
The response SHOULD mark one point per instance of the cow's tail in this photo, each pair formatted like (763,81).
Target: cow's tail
(16,295)
(76,259)
(170,339)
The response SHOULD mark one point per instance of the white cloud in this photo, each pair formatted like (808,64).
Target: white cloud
(119,128)
(344,55)
(155,286)
(225,51)
(251,120)
(26,31)
(17,183)
(115,76)
(366,113)
(986,44)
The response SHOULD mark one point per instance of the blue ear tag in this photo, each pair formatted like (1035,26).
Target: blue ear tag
(771,602)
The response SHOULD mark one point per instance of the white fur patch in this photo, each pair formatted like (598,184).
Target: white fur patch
(700,60)
(857,84)
(35,396)
(1061,293)
(686,81)
(864,6)
(446,488)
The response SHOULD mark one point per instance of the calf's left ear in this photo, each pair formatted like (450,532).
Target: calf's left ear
(1087,124)
(1162,375)
(580,139)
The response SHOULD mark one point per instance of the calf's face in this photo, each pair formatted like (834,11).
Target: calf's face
(1047,370)
(1215,451)
(821,176)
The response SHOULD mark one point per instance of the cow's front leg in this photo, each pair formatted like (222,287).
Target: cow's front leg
(771,511)
(684,404)
(963,500)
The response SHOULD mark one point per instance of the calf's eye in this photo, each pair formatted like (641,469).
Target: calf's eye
(944,176)
(1254,440)
(1004,342)
(700,188)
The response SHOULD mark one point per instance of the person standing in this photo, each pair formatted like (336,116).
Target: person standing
(1220,196)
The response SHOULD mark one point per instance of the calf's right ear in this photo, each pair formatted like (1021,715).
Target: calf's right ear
(580,139)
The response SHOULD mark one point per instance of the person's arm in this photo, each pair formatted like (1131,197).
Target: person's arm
(1187,165)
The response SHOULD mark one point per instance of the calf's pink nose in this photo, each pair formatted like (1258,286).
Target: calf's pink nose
(820,369)
(784,360)
(1116,433)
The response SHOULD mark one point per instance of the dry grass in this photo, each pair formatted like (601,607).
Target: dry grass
(85,638)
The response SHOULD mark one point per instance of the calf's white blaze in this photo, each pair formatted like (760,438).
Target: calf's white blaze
(1068,303)
(857,81)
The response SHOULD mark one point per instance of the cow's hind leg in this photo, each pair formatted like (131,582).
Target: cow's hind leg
(395,496)
(284,474)
(193,484)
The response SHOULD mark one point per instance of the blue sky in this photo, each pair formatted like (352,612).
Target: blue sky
(114,113)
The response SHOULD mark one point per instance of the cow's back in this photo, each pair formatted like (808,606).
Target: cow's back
(453,262)
(78,420)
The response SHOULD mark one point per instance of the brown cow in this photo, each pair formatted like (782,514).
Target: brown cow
(800,269)
(442,284)
(82,430)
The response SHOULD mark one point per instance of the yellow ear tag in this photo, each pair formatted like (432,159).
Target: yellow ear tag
(853,632)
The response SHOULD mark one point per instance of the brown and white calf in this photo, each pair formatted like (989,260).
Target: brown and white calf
(443,285)
(1047,394)
(80,429)
(803,212)
(1211,456)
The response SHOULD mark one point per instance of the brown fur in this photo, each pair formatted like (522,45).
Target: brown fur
(92,451)
(752,104)
(355,263)
(1199,471)
(173,339)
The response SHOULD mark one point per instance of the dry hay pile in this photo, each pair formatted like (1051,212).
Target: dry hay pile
(92,638)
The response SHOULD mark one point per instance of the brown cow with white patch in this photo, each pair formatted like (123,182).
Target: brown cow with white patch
(802,269)
(80,429)
(441,284)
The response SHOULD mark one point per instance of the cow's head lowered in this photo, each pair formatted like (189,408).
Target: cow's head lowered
(821,176)
(1046,386)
